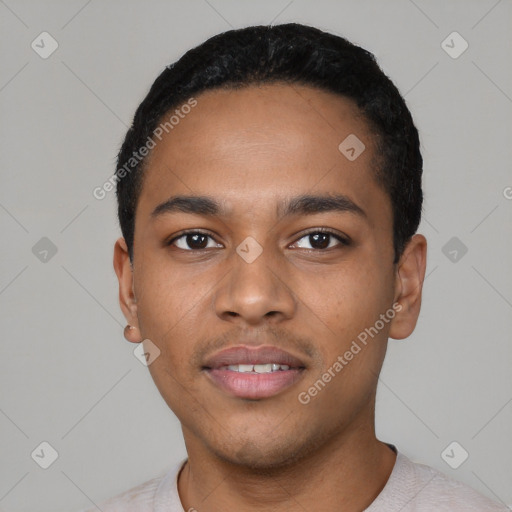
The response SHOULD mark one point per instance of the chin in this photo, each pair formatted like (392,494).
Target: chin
(260,459)
(264,453)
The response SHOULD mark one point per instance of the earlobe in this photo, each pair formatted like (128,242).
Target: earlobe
(124,272)
(132,334)
(409,279)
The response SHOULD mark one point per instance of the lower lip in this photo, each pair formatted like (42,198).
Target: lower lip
(253,385)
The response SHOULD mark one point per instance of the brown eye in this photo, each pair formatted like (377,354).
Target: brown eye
(194,241)
(321,240)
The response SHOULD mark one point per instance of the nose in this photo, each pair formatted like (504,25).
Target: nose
(254,292)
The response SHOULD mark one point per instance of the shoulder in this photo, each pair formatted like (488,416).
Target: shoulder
(136,499)
(425,489)
(144,497)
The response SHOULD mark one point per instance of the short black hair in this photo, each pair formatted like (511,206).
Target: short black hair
(292,54)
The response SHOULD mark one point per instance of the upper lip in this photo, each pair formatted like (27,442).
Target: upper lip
(243,354)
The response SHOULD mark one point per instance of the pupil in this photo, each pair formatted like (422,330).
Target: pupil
(192,241)
(324,237)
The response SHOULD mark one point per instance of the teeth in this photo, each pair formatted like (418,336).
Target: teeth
(256,368)
(262,368)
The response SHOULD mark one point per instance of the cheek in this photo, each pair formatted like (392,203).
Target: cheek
(167,319)
(349,302)
(349,297)
(166,298)
(163,309)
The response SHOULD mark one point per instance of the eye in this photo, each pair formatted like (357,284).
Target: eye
(193,240)
(321,239)
(318,239)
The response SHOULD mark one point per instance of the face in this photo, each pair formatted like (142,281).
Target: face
(290,252)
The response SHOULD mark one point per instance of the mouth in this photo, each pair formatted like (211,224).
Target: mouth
(253,372)
(257,368)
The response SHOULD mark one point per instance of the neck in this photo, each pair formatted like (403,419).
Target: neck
(350,470)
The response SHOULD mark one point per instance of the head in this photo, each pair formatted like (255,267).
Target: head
(276,203)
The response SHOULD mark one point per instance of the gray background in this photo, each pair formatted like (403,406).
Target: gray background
(68,377)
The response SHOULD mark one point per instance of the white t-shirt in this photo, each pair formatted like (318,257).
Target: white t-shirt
(411,487)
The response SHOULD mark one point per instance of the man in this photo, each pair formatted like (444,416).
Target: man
(269,194)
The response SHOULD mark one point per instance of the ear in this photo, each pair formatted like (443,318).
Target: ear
(409,278)
(127,299)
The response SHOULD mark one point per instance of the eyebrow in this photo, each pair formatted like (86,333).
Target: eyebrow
(299,205)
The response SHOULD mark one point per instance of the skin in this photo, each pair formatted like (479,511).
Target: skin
(250,149)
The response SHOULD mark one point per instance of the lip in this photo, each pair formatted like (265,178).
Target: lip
(253,386)
(244,354)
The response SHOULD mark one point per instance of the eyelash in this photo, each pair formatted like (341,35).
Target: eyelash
(344,241)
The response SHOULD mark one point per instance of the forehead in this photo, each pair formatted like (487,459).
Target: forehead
(252,146)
